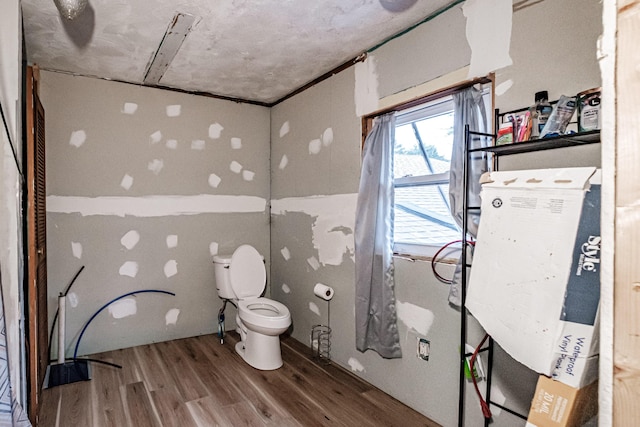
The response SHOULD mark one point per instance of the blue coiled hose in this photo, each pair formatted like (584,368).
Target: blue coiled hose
(75,352)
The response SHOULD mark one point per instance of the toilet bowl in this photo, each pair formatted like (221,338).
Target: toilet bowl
(241,277)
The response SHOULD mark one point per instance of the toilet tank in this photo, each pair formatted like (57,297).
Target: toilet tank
(221,271)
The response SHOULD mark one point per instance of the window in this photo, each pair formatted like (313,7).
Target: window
(422,158)
(422,155)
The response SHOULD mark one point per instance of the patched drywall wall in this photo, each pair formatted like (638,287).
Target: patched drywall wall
(423,54)
(554,48)
(306,174)
(313,206)
(144,186)
(11,259)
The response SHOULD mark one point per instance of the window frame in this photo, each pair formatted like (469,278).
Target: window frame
(415,251)
(428,110)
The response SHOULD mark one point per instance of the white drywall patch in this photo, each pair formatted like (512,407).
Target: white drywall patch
(173,110)
(155,206)
(366,86)
(284,129)
(130,239)
(215,130)
(235,167)
(248,175)
(488,34)
(127,182)
(334,221)
(327,137)
(283,162)
(123,308)
(172,241)
(333,241)
(313,262)
(78,138)
(155,137)
(355,365)
(197,144)
(170,268)
(171,318)
(286,289)
(172,144)
(503,87)
(285,253)
(72,297)
(155,166)
(214,180)
(213,248)
(315,146)
(76,249)
(313,307)
(415,317)
(129,268)
(129,108)
(236,143)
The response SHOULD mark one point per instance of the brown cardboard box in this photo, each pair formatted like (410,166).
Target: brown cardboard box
(556,404)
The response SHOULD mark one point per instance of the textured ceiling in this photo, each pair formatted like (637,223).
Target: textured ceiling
(257,50)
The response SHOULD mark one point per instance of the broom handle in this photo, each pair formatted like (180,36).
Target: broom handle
(61,327)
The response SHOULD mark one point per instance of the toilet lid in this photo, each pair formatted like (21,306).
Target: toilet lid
(247,273)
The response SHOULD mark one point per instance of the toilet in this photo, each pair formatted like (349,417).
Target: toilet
(241,277)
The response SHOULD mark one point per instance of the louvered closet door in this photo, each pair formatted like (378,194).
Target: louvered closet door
(41,236)
(37,320)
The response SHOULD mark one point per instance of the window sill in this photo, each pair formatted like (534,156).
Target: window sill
(426,253)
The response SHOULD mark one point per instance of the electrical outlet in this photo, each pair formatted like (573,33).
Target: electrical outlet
(424,348)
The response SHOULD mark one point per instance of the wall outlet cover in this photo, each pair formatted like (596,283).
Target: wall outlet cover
(424,348)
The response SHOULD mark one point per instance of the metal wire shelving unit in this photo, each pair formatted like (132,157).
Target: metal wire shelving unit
(560,141)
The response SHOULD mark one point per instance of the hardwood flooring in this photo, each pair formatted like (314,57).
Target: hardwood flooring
(201,383)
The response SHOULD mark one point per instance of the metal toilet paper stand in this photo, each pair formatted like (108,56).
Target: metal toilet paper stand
(321,338)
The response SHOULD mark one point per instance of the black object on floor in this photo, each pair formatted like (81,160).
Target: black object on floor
(67,373)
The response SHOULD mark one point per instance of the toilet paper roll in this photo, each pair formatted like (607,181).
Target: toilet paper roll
(323,291)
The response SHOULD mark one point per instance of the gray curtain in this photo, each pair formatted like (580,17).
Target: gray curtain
(376,327)
(468,109)
(11,413)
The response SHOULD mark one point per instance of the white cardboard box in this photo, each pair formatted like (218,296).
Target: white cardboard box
(534,284)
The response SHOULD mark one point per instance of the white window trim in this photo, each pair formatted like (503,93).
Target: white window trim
(412,181)
(436,107)
(423,251)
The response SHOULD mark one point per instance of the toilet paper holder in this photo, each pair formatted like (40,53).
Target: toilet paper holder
(320,339)
(321,344)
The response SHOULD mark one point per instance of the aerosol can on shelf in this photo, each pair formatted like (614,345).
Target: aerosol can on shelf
(541,112)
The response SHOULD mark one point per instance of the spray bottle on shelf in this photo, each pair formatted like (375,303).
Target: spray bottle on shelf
(541,114)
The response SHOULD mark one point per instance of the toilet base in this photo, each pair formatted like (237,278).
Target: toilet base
(261,351)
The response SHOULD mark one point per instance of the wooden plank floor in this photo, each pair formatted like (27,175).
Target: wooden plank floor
(201,383)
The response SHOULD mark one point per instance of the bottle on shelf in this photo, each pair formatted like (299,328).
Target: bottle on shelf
(541,113)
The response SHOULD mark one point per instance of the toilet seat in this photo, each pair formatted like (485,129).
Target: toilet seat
(248,279)
(264,312)
(242,277)
(247,273)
